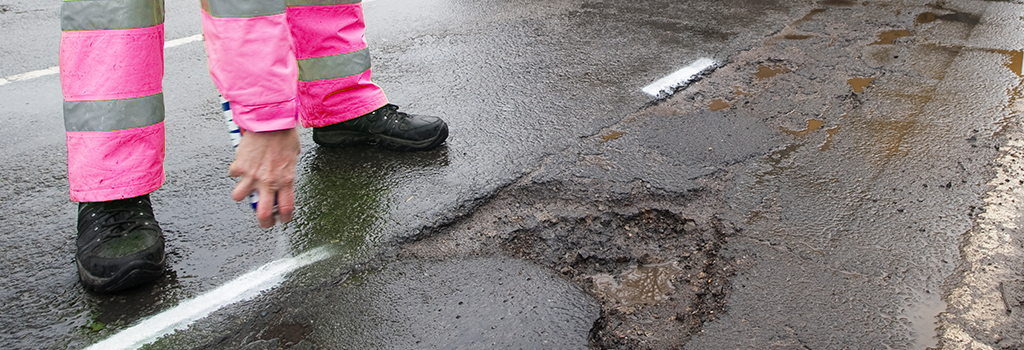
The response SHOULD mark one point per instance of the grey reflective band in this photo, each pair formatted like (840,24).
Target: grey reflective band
(113,115)
(320,2)
(337,66)
(242,8)
(110,14)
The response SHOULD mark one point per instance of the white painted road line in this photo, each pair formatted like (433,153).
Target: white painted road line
(180,317)
(30,75)
(54,70)
(680,77)
(182,41)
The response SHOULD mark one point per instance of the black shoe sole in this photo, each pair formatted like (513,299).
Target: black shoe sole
(351,139)
(132,275)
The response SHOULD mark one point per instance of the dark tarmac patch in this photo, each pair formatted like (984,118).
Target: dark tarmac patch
(839,3)
(797,37)
(406,301)
(289,333)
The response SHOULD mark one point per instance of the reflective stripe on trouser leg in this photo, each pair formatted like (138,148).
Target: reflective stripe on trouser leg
(111,67)
(334,62)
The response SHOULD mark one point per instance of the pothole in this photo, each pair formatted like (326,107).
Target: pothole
(650,258)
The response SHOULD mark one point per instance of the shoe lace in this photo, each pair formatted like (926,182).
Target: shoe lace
(116,222)
(391,114)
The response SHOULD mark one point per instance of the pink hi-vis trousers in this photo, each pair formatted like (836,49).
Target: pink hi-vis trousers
(278,62)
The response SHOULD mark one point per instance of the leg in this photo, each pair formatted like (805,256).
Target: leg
(250,57)
(334,61)
(336,96)
(111,66)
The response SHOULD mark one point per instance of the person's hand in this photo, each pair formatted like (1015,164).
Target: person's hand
(265,163)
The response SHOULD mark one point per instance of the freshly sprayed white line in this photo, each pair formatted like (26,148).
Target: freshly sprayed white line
(180,317)
(54,70)
(680,77)
(182,41)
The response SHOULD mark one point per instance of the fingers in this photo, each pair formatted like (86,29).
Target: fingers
(285,204)
(273,191)
(243,188)
(265,163)
(235,169)
(281,208)
(265,210)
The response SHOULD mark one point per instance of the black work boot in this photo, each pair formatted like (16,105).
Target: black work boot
(385,127)
(120,244)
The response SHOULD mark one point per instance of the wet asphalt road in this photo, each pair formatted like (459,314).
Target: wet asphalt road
(527,85)
(516,81)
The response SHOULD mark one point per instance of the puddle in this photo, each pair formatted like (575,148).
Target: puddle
(965,18)
(765,72)
(828,138)
(809,16)
(888,37)
(812,124)
(927,17)
(858,84)
(736,90)
(923,316)
(718,104)
(1016,60)
(639,285)
(611,135)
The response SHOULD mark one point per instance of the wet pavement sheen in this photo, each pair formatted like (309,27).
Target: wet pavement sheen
(851,143)
(515,81)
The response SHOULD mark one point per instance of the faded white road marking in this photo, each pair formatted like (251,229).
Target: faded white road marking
(54,70)
(679,77)
(180,317)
